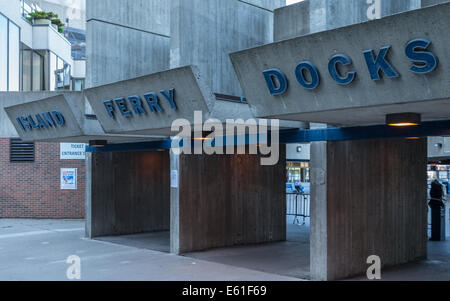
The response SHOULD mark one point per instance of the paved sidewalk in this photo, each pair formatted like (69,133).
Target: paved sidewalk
(436,268)
(38,249)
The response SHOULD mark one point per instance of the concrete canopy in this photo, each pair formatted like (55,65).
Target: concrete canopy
(47,118)
(155,112)
(364,101)
(76,127)
(140,109)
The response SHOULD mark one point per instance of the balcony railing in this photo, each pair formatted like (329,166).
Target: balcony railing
(27,8)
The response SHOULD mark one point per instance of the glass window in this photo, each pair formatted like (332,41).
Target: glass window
(38,68)
(78,84)
(26,69)
(14,57)
(3,53)
(53,68)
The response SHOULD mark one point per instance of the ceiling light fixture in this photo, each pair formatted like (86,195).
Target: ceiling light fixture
(98,143)
(403,119)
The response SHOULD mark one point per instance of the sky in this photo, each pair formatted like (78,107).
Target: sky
(289,2)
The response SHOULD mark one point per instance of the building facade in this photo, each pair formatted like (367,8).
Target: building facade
(35,58)
(320,67)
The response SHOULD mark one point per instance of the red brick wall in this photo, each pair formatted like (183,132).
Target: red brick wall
(32,190)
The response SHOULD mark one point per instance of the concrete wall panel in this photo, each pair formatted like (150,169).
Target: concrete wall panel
(292,21)
(147,15)
(376,200)
(432,2)
(438,148)
(266,4)
(126,39)
(128,193)
(117,53)
(229,200)
(204,32)
(319,15)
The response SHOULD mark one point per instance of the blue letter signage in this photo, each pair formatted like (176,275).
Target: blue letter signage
(416,52)
(333,69)
(136,105)
(308,76)
(379,63)
(41,121)
(275,74)
(314,73)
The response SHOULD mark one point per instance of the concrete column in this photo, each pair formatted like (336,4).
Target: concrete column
(368,198)
(319,214)
(174,203)
(88,199)
(127,193)
(227,200)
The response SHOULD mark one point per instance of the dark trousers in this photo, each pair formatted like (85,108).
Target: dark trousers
(435,222)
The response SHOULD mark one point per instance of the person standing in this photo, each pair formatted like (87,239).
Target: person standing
(436,203)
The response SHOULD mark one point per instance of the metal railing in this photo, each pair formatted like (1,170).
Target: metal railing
(27,8)
(298,206)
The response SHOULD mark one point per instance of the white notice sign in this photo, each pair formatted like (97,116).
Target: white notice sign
(68,179)
(72,151)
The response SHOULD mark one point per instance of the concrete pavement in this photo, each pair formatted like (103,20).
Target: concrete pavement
(436,268)
(37,250)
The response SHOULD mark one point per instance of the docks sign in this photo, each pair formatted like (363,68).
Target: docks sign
(308,75)
(353,75)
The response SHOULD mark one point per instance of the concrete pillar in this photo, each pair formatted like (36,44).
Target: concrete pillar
(127,193)
(226,200)
(318,212)
(174,203)
(368,198)
(88,199)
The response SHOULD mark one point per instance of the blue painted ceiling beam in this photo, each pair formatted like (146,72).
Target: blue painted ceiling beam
(426,129)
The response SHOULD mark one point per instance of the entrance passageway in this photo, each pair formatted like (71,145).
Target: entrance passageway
(289,258)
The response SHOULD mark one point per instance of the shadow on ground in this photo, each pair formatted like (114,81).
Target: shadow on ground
(289,258)
(156,241)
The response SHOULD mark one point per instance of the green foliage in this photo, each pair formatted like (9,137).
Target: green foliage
(54,18)
(38,15)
